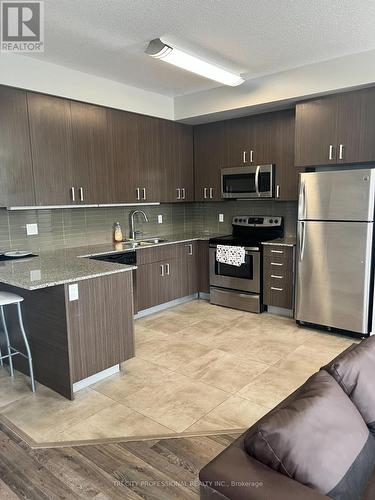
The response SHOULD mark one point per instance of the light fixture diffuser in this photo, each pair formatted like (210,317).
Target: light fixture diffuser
(160,50)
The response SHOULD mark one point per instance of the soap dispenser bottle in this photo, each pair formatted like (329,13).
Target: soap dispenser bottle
(117,233)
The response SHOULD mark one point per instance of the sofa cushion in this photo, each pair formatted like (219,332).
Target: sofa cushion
(318,438)
(354,370)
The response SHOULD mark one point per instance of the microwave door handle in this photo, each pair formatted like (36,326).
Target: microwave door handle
(257,180)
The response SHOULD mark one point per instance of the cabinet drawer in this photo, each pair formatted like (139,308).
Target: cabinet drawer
(278,276)
(162,252)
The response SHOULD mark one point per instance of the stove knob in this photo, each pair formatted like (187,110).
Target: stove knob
(276,221)
(271,221)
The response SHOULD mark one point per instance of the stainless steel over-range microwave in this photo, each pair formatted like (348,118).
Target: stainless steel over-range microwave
(247,182)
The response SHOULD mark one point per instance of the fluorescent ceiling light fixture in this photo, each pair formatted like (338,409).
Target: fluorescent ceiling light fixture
(177,57)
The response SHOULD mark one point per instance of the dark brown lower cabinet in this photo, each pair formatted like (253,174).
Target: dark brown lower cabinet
(71,340)
(278,276)
(166,273)
(203,267)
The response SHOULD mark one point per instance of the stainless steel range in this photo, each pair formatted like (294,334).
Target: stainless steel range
(240,286)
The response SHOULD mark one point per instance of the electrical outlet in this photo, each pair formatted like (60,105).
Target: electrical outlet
(221,217)
(73,292)
(35,275)
(31,229)
(160,219)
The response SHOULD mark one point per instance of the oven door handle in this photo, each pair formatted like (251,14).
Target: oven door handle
(257,180)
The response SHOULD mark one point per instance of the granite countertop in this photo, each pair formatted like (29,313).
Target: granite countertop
(57,267)
(286,241)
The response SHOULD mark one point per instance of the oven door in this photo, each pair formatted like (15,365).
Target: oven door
(247,182)
(244,278)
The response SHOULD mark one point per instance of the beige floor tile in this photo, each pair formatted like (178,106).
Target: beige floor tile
(44,414)
(177,403)
(307,359)
(234,413)
(13,389)
(271,387)
(223,370)
(171,353)
(136,374)
(113,422)
(207,332)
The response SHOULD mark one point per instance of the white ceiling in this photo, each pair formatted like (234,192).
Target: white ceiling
(107,38)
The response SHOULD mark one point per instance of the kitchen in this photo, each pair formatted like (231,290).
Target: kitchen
(175,275)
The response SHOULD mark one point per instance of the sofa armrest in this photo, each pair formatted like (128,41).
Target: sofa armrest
(237,476)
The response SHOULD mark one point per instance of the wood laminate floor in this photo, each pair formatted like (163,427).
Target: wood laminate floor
(160,469)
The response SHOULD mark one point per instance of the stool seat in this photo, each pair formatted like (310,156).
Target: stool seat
(7,298)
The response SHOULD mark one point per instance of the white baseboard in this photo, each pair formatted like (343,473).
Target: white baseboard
(81,384)
(166,305)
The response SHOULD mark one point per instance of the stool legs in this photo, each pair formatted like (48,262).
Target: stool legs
(7,340)
(29,358)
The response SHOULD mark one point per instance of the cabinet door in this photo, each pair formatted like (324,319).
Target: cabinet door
(51,146)
(286,182)
(189,271)
(100,324)
(151,289)
(210,156)
(126,178)
(150,151)
(240,141)
(316,132)
(92,152)
(177,152)
(16,177)
(356,126)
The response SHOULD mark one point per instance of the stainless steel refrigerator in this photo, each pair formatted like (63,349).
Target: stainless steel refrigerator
(334,249)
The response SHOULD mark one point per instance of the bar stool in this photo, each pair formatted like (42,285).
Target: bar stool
(7,299)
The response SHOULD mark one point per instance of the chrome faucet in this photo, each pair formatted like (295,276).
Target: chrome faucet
(132,231)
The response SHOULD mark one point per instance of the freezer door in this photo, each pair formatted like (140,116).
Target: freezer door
(343,195)
(334,274)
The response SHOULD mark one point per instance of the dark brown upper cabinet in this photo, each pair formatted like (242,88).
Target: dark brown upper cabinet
(52,150)
(210,156)
(16,177)
(177,154)
(92,153)
(336,129)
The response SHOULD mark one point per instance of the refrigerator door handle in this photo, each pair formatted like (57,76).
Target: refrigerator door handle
(302,201)
(302,234)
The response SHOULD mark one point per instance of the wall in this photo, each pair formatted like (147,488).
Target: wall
(267,92)
(33,74)
(61,228)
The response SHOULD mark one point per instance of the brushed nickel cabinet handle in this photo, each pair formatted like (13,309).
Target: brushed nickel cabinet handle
(168,269)
(205,190)
(161,270)
(144,193)
(251,156)
(330,152)
(80,190)
(178,193)
(190,248)
(277,191)
(276,276)
(73,193)
(341,152)
(277,289)
(277,251)
(211,193)
(183,193)
(244,156)
(138,193)
(276,264)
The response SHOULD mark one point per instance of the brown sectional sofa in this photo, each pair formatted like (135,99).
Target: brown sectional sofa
(318,443)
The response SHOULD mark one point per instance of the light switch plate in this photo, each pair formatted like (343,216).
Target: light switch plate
(31,229)
(160,219)
(221,217)
(73,292)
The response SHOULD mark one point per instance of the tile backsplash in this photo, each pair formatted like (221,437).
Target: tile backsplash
(59,228)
